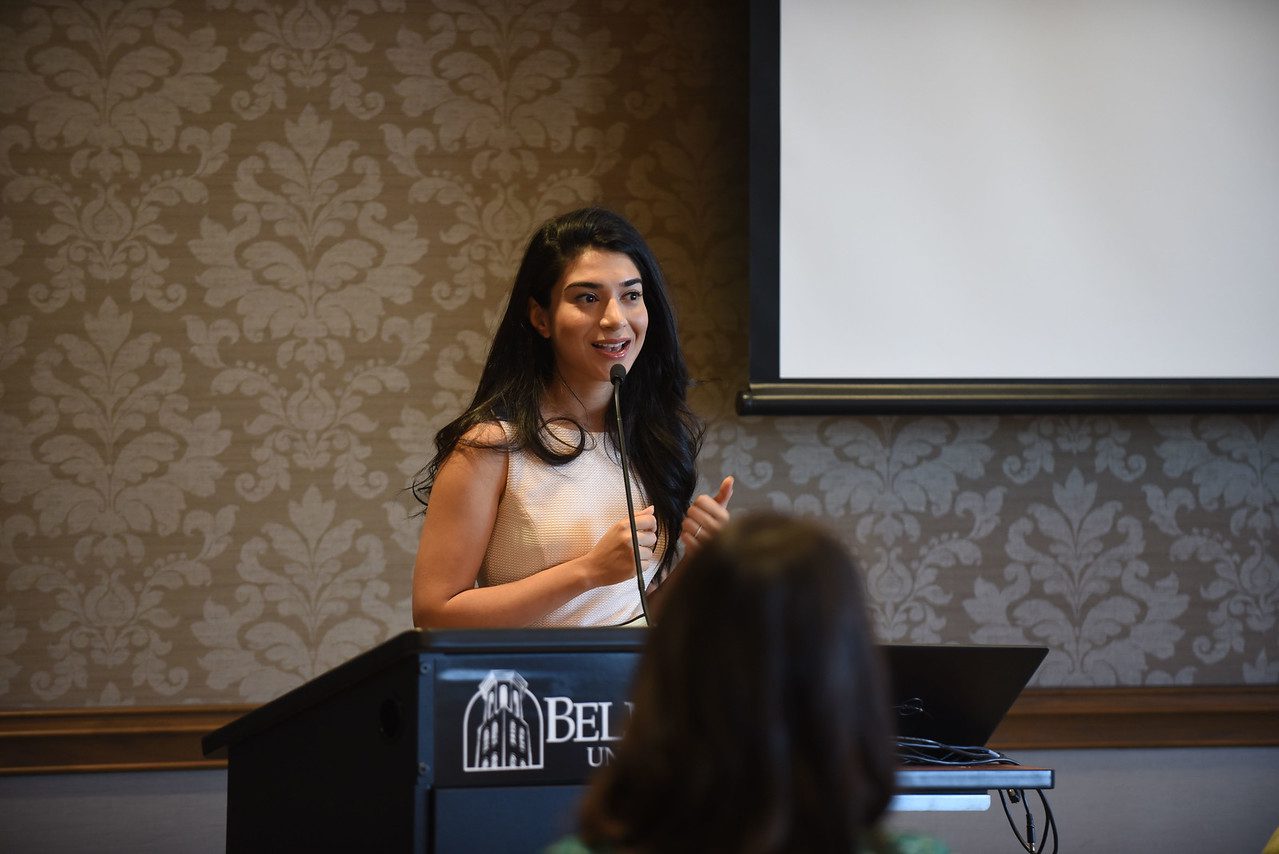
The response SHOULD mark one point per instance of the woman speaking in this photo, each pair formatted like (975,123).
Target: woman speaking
(526,521)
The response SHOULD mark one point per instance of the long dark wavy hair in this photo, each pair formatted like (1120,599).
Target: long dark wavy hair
(761,722)
(662,434)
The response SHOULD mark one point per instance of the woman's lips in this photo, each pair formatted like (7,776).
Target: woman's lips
(613,349)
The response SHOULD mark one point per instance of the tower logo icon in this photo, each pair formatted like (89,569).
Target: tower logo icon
(502,729)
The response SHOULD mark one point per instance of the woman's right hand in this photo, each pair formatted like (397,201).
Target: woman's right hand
(612,559)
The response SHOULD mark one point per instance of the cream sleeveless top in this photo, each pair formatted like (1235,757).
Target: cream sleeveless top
(551,514)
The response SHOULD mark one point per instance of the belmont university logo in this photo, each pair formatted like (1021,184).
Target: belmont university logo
(506,728)
(502,728)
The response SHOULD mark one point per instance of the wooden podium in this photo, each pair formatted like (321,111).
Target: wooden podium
(408,747)
(444,741)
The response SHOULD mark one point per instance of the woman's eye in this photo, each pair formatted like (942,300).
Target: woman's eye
(587,297)
(634,296)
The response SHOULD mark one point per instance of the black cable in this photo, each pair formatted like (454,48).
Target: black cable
(1050,822)
(1027,842)
(925,751)
(1030,821)
(1012,825)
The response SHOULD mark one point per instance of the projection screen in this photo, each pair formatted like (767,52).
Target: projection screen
(997,204)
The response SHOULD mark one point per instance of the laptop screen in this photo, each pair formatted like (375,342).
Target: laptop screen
(956,694)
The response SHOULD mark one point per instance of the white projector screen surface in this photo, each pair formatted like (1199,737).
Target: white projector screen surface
(1029,190)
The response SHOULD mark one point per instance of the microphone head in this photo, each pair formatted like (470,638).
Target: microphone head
(617,373)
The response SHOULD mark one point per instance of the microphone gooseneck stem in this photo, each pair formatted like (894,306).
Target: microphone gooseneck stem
(626,482)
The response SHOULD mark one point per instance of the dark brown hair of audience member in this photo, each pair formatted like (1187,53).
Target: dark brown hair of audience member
(761,721)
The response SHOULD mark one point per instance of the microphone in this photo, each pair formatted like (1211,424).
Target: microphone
(617,374)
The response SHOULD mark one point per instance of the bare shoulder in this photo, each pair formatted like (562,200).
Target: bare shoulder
(483,446)
(487,435)
(476,465)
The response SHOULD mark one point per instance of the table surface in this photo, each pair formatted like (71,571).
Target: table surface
(943,779)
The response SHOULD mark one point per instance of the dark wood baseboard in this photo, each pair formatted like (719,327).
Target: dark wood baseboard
(42,741)
(1204,716)
(45,741)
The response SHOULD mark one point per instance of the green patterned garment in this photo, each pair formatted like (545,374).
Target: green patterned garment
(893,843)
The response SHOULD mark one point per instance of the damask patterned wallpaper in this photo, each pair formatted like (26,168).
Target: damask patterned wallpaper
(250,255)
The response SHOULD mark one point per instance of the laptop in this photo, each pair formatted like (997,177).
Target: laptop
(956,694)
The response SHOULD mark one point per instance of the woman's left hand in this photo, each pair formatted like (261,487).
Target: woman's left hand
(705,517)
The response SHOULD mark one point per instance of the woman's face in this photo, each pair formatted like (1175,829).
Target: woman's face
(597,317)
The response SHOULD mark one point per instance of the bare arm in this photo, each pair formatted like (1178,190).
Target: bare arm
(455,535)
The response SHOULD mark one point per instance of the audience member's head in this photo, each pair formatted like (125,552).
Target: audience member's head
(761,722)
